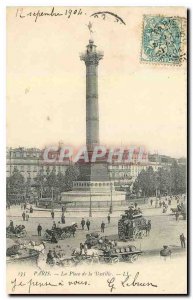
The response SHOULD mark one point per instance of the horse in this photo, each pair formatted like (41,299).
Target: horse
(70,229)
(33,246)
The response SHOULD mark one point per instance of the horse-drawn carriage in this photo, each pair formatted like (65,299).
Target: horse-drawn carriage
(17,231)
(60,233)
(117,254)
(94,240)
(97,256)
(23,252)
(133,226)
(111,255)
(180,210)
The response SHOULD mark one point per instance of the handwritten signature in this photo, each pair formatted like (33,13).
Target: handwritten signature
(129,281)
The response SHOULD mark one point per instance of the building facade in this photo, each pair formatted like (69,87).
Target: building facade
(29,162)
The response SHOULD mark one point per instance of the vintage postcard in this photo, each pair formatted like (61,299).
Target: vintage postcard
(96,150)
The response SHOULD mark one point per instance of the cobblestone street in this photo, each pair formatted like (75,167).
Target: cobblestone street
(165,229)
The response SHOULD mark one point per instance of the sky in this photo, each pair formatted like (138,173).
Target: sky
(140,104)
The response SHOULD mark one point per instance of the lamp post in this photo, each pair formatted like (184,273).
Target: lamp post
(90,207)
(52,193)
(111,205)
(28,186)
(41,186)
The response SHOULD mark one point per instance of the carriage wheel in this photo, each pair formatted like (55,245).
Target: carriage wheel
(133,258)
(125,257)
(23,233)
(46,236)
(65,235)
(114,260)
(122,236)
(107,259)
(136,234)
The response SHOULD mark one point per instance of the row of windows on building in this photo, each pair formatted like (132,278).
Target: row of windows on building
(79,184)
(35,168)
(23,154)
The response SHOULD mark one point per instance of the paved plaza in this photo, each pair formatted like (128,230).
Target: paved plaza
(165,229)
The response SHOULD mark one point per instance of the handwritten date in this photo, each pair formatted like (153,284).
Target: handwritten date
(68,13)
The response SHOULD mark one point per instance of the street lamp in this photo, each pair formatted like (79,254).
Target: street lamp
(90,208)
(52,193)
(41,185)
(111,205)
(28,186)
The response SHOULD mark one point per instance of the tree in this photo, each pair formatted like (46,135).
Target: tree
(41,182)
(162,180)
(51,183)
(15,184)
(61,183)
(150,182)
(165,180)
(71,174)
(178,178)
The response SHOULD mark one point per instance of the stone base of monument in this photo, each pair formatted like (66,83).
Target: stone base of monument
(100,194)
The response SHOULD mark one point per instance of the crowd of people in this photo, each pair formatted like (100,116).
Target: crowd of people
(87,224)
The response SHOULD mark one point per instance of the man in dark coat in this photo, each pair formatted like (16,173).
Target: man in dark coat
(53,238)
(109,219)
(39,229)
(23,216)
(52,214)
(182,240)
(11,226)
(83,223)
(102,227)
(88,224)
(63,219)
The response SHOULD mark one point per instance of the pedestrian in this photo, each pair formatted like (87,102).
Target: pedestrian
(135,204)
(177,216)
(103,227)
(54,225)
(148,227)
(52,214)
(88,224)
(31,210)
(83,223)
(151,201)
(160,204)
(63,209)
(63,219)
(24,206)
(23,215)
(26,216)
(109,218)
(182,240)
(165,252)
(81,248)
(11,226)
(53,239)
(39,229)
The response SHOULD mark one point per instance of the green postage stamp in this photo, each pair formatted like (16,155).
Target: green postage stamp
(163,40)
